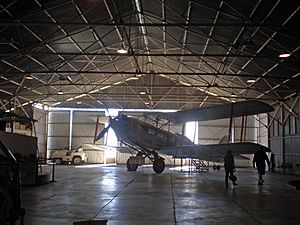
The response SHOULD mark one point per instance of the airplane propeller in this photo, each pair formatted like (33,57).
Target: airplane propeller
(102,133)
(105,130)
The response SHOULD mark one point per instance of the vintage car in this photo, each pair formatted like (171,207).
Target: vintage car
(76,157)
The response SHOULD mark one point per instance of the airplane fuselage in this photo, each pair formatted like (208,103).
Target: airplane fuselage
(139,133)
(146,138)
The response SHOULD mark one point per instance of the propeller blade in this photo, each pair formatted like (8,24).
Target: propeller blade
(102,133)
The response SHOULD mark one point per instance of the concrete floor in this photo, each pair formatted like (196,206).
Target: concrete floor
(174,197)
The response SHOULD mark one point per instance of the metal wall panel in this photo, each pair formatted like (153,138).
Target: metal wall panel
(40,130)
(292,156)
(57,143)
(251,130)
(211,132)
(95,156)
(285,145)
(58,130)
(59,117)
(83,129)
(275,145)
(86,117)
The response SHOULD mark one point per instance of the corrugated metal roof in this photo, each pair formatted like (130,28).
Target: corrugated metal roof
(185,53)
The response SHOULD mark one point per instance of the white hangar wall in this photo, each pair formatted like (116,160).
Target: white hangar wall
(40,130)
(58,130)
(70,129)
(211,132)
(254,130)
(74,128)
(83,127)
(284,138)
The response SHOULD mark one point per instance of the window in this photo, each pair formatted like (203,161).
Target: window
(151,131)
(172,138)
(161,135)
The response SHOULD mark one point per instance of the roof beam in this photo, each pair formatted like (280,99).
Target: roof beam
(152,53)
(145,24)
(89,72)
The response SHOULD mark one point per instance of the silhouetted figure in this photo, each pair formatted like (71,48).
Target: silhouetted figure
(229,168)
(260,158)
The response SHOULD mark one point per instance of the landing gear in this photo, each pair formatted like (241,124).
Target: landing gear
(132,164)
(134,161)
(158,164)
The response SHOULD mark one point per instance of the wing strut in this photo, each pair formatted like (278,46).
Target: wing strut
(96,130)
(242,128)
(183,128)
(245,129)
(230,123)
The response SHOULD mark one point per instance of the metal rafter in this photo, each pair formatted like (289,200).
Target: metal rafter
(213,81)
(271,37)
(212,68)
(129,45)
(95,82)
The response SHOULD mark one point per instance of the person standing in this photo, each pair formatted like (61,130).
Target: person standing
(229,169)
(260,158)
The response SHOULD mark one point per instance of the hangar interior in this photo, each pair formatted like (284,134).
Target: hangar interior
(64,63)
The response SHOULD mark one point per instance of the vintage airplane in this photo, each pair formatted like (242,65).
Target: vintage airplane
(149,140)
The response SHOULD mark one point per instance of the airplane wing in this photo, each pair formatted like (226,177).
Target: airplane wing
(245,108)
(213,152)
(121,149)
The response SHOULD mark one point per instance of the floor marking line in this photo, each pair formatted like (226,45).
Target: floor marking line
(173,200)
(112,199)
(232,198)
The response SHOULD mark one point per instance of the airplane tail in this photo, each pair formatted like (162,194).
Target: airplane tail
(224,140)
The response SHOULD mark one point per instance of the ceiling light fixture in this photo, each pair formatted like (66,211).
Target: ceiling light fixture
(233,95)
(29,77)
(284,55)
(60,92)
(78,103)
(142,92)
(134,77)
(122,50)
(251,80)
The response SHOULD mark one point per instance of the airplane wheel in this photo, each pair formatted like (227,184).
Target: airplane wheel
(131,166)
(158,165)
(218,167)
